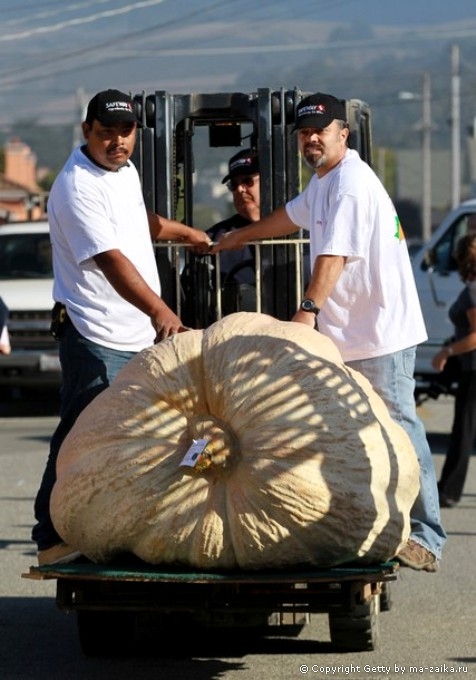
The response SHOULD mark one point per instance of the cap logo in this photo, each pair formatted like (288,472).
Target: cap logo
(240,162)
(245,162)
(118,106)
(312,110)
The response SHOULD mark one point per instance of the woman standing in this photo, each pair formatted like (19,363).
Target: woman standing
(462,314)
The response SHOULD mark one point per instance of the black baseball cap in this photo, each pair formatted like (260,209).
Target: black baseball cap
(318,111)
(245,162)
(110,107)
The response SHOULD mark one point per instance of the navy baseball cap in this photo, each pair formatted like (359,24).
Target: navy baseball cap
(318,111)
(245,162)
(110,107)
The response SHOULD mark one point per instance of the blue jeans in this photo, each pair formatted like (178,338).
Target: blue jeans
(391,376)
(88,368)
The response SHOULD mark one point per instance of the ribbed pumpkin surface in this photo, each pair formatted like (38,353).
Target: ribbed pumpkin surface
(303,463)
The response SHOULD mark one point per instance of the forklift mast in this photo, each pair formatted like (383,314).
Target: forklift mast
(165,159)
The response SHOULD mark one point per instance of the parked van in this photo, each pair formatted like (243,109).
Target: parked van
(439,284)
(26,283)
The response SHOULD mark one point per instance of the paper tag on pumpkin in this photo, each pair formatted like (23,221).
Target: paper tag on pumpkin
(195,454)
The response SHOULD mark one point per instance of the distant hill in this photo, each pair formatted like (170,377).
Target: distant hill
(368,49)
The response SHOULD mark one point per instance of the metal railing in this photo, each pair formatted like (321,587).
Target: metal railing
(195,287)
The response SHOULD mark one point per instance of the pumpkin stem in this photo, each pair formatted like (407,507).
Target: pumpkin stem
(221,451)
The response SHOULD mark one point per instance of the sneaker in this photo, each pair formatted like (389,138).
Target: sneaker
(57,554)
(417,557)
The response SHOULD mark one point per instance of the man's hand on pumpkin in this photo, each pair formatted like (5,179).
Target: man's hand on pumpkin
(166,324)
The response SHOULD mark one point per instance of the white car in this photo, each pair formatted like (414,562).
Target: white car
(439,284)
(26,282)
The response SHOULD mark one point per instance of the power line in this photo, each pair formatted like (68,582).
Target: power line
(219,51)
(44,13)
(271,9)
(121,39)
(78,21)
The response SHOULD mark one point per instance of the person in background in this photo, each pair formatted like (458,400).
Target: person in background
(106,284)
(237,280)
(5,347)
(237,267)
(362,292)
(243,181)
(462,348)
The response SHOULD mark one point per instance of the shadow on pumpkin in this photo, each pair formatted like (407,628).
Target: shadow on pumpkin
(302,465)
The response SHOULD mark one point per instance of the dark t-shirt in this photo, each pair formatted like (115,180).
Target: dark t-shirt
(241,262)
(459,318)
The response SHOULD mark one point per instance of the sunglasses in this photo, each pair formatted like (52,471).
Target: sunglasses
(233,184)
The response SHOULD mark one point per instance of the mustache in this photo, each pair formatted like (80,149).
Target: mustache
(312,146)
(116,147)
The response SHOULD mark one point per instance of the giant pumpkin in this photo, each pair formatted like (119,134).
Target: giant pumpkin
(302,466)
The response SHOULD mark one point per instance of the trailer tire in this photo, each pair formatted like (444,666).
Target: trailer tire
(106,633)
(386,597)
(358,630)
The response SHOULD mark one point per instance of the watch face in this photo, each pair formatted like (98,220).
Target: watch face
(308,306)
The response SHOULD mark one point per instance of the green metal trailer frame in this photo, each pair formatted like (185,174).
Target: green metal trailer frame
(118,605)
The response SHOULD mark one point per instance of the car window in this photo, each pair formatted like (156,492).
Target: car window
(442,254)
(25,256)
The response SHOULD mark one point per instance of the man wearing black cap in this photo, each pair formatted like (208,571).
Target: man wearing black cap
(106,283)
(242,180)
(237,269)
(362,290)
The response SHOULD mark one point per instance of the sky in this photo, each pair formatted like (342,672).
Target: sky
(54,54)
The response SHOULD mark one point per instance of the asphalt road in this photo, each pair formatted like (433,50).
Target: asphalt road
(429,630)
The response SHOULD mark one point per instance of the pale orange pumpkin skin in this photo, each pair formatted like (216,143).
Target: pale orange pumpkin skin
(306,467)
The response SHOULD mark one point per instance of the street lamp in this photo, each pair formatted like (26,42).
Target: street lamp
(425,126)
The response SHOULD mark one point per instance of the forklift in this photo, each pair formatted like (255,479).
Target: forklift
(167,159)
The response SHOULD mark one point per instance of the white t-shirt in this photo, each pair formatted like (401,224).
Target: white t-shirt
(90,211)
(374,308)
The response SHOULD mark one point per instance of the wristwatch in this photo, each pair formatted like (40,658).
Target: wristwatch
(308,305)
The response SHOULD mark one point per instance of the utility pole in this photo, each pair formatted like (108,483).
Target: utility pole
(426,126)
(455,129)
(80,110)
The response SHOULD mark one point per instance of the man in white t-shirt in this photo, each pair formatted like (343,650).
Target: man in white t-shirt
(106,283)
(362,291)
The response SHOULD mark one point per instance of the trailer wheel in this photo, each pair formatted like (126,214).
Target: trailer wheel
(106,633)
(386,597)
(356,631)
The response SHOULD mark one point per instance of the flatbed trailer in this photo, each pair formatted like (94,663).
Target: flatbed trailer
(120,606)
